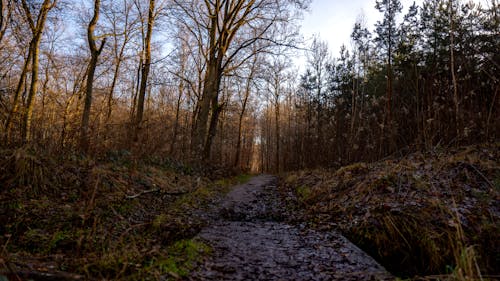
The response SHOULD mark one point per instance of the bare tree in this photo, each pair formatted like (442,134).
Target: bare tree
(36,30)
(244,102)
(122,28)
(452,67)
(317,59)
(225,29)
(145,68)
(94,55)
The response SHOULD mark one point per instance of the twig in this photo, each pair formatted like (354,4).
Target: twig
(177,193)
(480,174)
(6,262)
(142,193)
(47,276)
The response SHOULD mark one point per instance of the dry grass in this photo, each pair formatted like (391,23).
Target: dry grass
(115,218)
(402,211)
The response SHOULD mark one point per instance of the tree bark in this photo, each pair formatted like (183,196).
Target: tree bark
(19,89)
(452,69)
(37,30)
(94,52)
(26,131)
(145,71)
(177,112)
(4,19)
(242,113)
(210,89)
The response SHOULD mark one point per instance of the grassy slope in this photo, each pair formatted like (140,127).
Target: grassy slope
(418,215)
(113,218)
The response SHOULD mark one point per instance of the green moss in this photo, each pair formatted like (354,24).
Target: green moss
(243,178)
(183,255)
(496,182)
(123,207)
(159,220)
(303,192)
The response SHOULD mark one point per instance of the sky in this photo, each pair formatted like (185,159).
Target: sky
(333,20)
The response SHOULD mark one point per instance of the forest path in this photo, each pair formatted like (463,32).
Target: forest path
(251,241)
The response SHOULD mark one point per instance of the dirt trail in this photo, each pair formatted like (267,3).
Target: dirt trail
(251,241)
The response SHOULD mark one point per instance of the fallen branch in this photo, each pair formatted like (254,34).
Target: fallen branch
(173,193)
(480,174)
(142,193)
(41,276)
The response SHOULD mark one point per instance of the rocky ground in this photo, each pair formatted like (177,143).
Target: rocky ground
(252,240)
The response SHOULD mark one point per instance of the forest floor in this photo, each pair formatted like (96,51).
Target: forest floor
(433,214)
(116,218)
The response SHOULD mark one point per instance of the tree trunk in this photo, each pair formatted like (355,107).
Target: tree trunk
(212,129)
(145,72)
(210,92)
(242,113)
(277,125)
(19,89)
(113,85)
(94,52)
(211,86)
(452,69)
(4,19)
(26,131)
(176,122)
(37,31)
(240,130)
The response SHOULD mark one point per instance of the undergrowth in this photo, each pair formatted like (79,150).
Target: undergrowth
(111,217)
(429,216)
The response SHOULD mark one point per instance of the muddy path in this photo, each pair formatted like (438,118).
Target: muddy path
(252,241)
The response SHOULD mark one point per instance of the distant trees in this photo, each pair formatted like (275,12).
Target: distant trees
(225,31)
(412,85)
(386,39)
(36,24)
(212,81)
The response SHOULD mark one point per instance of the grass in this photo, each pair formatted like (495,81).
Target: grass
(80,218)
(429,215)
(182,257)
(466,265)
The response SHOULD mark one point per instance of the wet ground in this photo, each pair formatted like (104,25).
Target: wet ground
(252,241)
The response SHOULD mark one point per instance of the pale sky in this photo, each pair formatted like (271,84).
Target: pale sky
(333,20)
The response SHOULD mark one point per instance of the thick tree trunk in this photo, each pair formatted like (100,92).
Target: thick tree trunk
(212,129)
(210,92)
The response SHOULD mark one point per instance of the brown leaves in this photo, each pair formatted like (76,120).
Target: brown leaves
(403,206)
